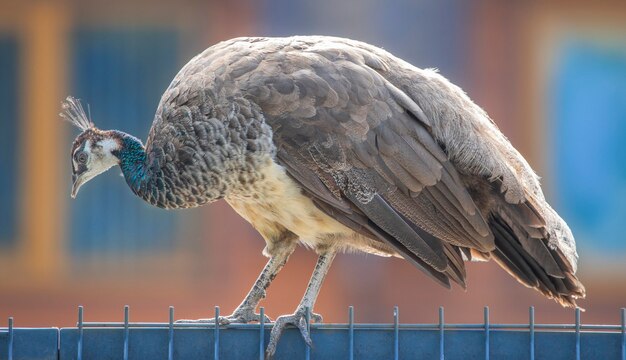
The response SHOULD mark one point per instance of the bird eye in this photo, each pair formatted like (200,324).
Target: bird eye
(82,158)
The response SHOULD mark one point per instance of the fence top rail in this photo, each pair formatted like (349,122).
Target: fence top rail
(355,326)
(577,326)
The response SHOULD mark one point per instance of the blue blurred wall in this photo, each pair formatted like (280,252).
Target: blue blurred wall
(587,105)
(9,139)
(123,73)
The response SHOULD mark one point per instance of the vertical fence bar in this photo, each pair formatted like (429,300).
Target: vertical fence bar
(307,348)
(79,347)
(577,314)
(487,346)
(351,332)
(531,331)
(396,333)
(262,333)
(623,333)
(10,346)
(216,332)
(126,331)
(441,333)
(170,336)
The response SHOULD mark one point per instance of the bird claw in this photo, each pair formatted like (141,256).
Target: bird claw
(298,319)
(237,317)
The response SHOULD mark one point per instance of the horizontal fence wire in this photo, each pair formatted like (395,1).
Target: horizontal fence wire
(171,340)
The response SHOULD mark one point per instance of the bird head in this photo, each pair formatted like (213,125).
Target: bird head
(93,151)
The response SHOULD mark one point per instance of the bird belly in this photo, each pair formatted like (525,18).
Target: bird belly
(276,203)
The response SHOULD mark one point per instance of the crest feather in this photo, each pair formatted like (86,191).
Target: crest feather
(74,113)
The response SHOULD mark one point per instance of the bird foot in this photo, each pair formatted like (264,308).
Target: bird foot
(298,319)
(237,317)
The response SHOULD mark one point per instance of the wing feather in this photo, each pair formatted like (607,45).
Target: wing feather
(386,218)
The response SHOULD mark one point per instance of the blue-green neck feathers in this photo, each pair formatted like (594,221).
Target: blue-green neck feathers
(144,180)
(132,156)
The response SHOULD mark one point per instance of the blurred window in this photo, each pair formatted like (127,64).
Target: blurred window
(121,73)
(405,28)
(9,146)
(589,135)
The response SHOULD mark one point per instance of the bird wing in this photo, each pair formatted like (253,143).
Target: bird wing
(363,150)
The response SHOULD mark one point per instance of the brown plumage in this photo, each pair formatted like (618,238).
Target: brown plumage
(342,146)
(401,155)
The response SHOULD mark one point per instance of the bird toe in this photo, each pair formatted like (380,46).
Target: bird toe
(297,319)
(238,317)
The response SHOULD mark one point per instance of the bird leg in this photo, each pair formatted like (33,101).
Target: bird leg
(298,318)
(245,311)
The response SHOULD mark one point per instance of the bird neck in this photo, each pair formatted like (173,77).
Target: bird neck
(146,178)
(132,160)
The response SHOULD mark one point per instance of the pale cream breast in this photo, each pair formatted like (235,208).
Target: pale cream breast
(276,202)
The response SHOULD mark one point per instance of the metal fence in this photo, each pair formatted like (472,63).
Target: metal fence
(128,340)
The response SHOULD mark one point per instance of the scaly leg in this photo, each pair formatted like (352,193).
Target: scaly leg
(298,318)
(245,311)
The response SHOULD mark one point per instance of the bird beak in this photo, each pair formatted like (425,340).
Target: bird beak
(77,181)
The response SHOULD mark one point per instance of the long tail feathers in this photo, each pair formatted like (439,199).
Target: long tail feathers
(542,268)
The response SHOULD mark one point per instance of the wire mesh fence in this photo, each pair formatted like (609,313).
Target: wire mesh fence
(138,340)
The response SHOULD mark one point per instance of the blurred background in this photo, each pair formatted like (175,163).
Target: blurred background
(552,74)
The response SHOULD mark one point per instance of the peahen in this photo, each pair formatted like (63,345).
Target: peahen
(339,145)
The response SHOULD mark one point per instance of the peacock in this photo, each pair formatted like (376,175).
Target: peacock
(340,146)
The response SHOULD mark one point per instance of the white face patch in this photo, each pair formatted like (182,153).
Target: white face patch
(101,157)
(108,145)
